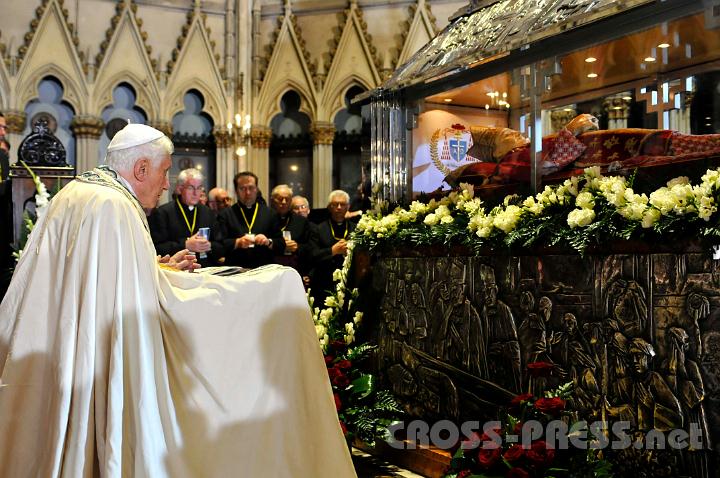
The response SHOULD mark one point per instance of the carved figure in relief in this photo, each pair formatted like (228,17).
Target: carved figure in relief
(627,304)
(619,365)
(652,404)
(574,352)
(534,338)
(711,363)
(503,352)
(417,316)
(685,380)
(698,307)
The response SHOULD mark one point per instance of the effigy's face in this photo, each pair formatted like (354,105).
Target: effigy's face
(640,362)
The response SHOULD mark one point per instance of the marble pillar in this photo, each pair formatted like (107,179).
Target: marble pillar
(323,136)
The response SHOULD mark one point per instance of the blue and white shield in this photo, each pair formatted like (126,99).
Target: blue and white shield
(458,149)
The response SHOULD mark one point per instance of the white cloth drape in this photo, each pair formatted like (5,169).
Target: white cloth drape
(114,367)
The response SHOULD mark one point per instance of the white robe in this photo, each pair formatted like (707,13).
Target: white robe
(115,367)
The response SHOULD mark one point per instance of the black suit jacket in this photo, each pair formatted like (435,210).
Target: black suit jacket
(322,239)
(299,228)
(169,229)
(230,224)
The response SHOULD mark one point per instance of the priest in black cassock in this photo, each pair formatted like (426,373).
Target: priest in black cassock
(250,232)
(295,229)
(328,245)
(176,225)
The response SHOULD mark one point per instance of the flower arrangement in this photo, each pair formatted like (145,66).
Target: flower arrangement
(42,198)
(492,454)
(364,410)
(585,209)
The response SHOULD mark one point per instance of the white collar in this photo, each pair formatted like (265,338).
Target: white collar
(126,184)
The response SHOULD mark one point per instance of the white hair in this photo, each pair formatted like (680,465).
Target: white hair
(188,174)
(303,198)
(338,192)
(125,159)
(276,189)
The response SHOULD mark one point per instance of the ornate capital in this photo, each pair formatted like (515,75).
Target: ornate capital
(618,108)
(323,133)
(560,118)
(87,127)
(15,121)
(222,138)
(164,126)
(260,136)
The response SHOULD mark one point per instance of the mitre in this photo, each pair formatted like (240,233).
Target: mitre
(134,134)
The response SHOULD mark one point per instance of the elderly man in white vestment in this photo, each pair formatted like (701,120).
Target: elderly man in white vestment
(116,366)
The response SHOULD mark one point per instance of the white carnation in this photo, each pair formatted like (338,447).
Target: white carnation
(580,217)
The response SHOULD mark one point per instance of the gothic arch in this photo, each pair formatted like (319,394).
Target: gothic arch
(51,51)
(196,67)
(126,59)
(214,107)
(288,68)
(70,94)
(274,107)
(149,104)
(338,95)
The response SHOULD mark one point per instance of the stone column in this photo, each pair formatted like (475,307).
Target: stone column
(618,110)
(87,130)
(560,118)
(259,157)
(323,135)
(225,159)
(15,126)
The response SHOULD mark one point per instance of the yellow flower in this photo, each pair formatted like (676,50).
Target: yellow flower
(585,200)
(650,217)
(580,217)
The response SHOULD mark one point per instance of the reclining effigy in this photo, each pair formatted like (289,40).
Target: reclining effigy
(502,156)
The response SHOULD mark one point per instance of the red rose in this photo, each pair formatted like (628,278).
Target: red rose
(338,403)
(344,364)
(517,429)
(341,381)
(464,474)
(514,453)
(329,359)
(343,428)
(518,399)
(488,457)
(539,454)
(551,406)
(517,473)
(334,372)
(540,369)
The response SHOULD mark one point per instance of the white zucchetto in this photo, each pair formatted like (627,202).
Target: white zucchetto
(134,134)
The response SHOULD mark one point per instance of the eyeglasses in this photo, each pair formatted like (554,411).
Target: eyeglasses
(338,204)
(195,189)
(299,206)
